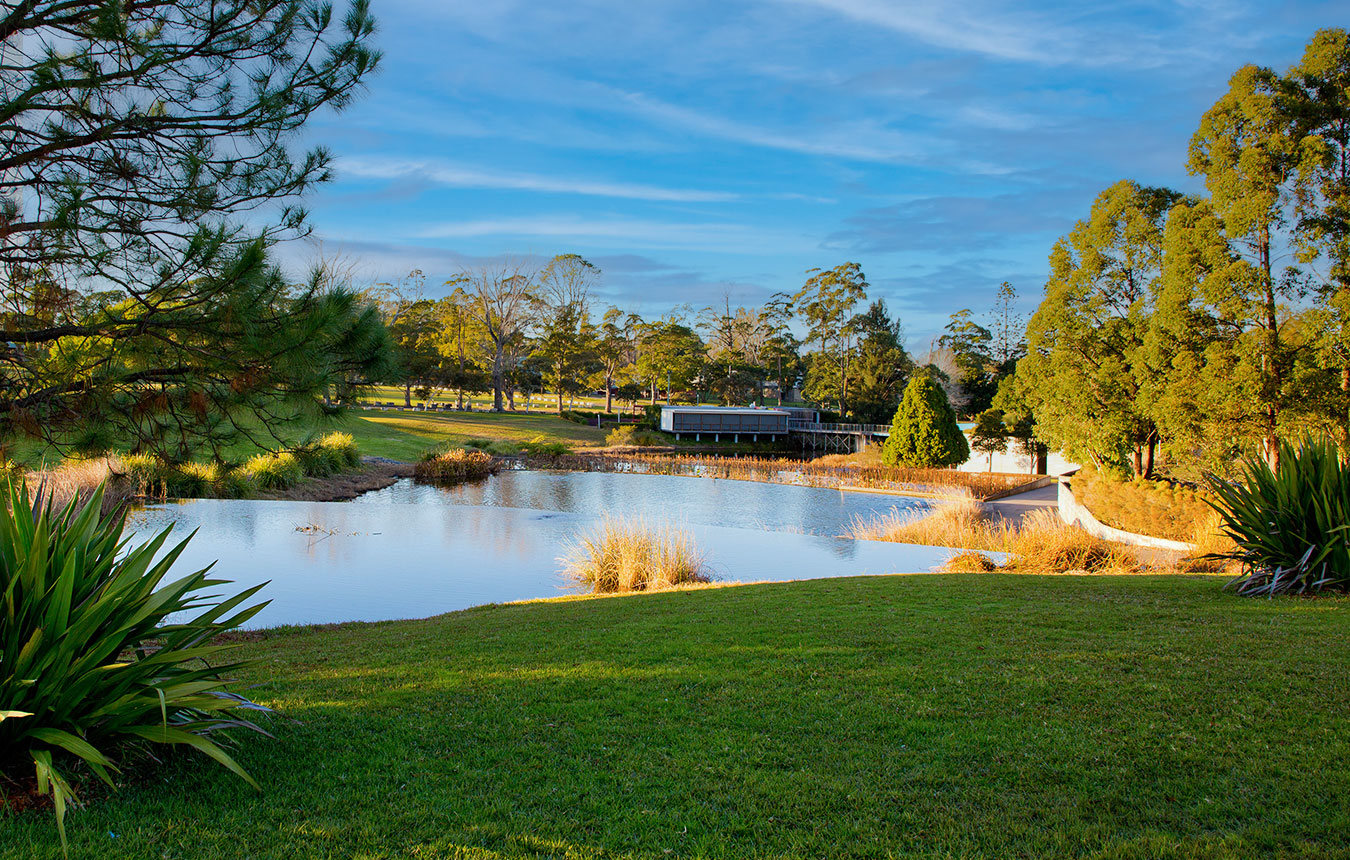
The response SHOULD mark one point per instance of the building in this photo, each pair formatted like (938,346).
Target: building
(719,421)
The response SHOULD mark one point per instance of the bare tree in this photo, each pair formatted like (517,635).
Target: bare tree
(502,294)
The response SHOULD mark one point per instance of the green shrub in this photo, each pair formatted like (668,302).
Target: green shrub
(274,471)
(541,447)
(454,465)
(478,443)
(924,433)
(629,435)
(92,671)
(342,449)
(1291,525)
(156,479)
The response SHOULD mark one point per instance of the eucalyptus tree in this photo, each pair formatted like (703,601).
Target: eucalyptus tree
(614,348)
(826,302)
(134,140)
(781,350)
(502,293)
(1086,366)
(461,339)
(969,344)
(1248,150)
(565,337)
(1319,100)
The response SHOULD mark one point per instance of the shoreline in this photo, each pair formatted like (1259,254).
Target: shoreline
(374,474)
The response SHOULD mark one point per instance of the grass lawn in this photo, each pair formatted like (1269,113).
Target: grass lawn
(405,435)
(931,716)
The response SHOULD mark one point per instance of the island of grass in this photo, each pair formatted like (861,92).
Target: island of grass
(923,716)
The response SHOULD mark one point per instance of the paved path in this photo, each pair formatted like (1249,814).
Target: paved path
(1015,507)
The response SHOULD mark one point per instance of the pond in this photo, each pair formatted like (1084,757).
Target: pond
(412,551)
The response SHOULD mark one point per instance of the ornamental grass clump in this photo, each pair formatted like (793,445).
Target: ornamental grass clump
(455,465)
(274,471)
(93,671)
(1290,524)
(632,555)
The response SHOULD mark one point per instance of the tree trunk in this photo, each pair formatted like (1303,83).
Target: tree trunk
(1150,453)
(609,393)
(1271,382)
(497,380)
(407,394)
(560,409)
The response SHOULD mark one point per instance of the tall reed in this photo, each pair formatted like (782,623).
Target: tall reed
(624,555)
(811,473)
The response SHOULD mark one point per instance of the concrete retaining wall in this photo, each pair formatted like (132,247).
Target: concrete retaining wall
(1072,512)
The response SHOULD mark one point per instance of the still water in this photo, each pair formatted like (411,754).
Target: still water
(412,551)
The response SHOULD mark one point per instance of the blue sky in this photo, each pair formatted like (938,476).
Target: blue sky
(692,148)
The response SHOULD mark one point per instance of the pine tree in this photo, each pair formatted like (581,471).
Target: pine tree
(924,433)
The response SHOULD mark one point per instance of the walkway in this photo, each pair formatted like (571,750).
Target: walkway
(1014,508)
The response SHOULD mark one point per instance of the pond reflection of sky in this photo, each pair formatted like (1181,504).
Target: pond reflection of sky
(411,551)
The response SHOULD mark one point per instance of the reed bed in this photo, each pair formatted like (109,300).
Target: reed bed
(79,479)
(455,465)
(624,555)
(1040,543)
(810,473)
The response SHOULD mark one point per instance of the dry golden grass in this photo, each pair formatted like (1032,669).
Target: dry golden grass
(834,473)
(624,555)
(79,478)
(456,464)
(1041,542)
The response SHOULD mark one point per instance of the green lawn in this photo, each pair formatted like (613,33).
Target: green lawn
(405,435)
(402,435)
(930,716)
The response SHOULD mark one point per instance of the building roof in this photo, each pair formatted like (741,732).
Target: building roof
(727,410)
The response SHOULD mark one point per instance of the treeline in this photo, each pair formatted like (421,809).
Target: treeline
(1187,330)
(519,327)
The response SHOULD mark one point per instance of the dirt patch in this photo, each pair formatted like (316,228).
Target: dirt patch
(343,487)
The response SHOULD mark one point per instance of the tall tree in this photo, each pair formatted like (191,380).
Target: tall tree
(882,367)
(1247,150)
(614,348)
(1319,87)
(502,294)
(134,138)
(969,344)
(826,302)
(1086,369)
(565,338)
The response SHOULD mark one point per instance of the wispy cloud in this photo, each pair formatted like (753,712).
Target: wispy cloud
(1043,38)
(625,232)
(442,173)
(859,140)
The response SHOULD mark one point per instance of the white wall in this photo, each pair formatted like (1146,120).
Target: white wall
(1010,461)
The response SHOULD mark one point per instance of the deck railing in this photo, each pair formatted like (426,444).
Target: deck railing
(826,427)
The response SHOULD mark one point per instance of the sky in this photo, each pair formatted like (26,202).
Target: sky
(694,150)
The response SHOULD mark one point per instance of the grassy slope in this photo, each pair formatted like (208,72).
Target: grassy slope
(405,435)
(936,716)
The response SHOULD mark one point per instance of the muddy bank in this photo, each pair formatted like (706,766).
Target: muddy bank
(374,474)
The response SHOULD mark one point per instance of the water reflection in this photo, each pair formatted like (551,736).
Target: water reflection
(416,551)
(699,501)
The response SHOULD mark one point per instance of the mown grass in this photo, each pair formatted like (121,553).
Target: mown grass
(402,436)
(984,716)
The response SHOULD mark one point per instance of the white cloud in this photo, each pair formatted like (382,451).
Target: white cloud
(442,173)
(864,140)
(1041,38)
(626,232)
